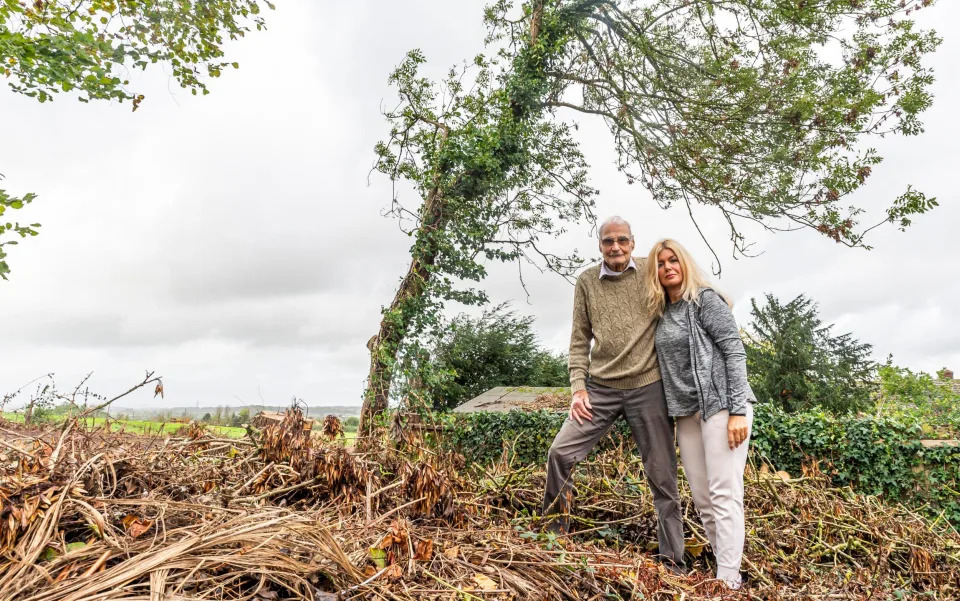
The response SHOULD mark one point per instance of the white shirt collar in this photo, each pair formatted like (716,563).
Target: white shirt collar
(606,271)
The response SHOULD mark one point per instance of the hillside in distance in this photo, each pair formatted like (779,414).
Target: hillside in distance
(317,411)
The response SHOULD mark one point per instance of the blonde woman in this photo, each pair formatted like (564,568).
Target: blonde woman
(703,365)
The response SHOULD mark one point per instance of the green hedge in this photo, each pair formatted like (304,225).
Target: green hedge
(874,455)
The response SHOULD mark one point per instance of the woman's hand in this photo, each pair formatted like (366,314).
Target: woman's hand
(737,431)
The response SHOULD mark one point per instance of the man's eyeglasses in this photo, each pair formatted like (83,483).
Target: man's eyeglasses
(622,241)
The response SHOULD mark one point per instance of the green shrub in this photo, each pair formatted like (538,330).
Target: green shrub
(875,455)
(481,436)
(918,397)
(499,348)
(43,415)
(351,423)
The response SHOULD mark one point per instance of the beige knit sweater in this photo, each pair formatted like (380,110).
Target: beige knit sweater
(611,313)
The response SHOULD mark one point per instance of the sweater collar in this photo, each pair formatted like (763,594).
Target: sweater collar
(607,272)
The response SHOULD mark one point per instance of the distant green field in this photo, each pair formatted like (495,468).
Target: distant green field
(143,427)
(139,426)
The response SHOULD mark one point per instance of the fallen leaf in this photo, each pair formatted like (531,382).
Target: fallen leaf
(394,572)
(135,525)
(695,547)
(424,550)
(451,552)
(484,582)
(379,557)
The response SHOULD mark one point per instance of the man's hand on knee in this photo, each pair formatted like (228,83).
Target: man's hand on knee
(580,407)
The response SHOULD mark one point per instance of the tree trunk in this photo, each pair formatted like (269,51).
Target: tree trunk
(396,320)
(395,324)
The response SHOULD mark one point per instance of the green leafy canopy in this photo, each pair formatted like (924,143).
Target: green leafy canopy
(88,47)
(759,109)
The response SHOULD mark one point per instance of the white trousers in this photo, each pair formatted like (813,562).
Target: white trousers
(715,474)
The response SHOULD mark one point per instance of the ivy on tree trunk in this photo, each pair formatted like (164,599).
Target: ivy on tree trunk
(495,176)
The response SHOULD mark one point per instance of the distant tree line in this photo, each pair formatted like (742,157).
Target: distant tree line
(226,416)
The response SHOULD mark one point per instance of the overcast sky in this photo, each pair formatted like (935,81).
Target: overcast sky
(234,243)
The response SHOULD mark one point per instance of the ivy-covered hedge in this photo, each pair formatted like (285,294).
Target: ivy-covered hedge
(874,455)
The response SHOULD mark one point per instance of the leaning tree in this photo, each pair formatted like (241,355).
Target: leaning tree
(756,109)
(88,47)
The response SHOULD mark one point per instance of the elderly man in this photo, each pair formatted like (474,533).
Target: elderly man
(618,376)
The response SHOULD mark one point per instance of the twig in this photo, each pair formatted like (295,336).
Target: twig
(17,449)
(343,592)
(280,491)
(148,379)
(393,511)
(450,586)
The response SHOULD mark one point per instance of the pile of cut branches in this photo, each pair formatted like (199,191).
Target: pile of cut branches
(90,514)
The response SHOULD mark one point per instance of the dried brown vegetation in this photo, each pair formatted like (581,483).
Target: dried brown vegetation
(90,514)
(332,428)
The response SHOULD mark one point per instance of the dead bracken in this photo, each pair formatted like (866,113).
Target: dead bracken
(91,514)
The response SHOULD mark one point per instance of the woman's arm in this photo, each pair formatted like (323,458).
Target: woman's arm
(717,319)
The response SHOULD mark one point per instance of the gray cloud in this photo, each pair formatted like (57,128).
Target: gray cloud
(288,321)
(234,242)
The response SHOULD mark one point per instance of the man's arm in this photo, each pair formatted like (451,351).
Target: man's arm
(580,336)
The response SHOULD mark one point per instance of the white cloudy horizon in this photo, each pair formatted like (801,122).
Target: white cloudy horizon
(234,243)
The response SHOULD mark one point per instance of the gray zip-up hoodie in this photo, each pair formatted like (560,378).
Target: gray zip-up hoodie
(717,356)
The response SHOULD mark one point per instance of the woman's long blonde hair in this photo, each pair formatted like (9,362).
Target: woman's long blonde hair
(693,278)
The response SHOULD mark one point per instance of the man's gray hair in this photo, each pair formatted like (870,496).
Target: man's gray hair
(613,220)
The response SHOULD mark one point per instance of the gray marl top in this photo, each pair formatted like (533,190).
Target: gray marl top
(716,360)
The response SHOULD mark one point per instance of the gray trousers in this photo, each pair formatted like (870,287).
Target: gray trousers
(646,412)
